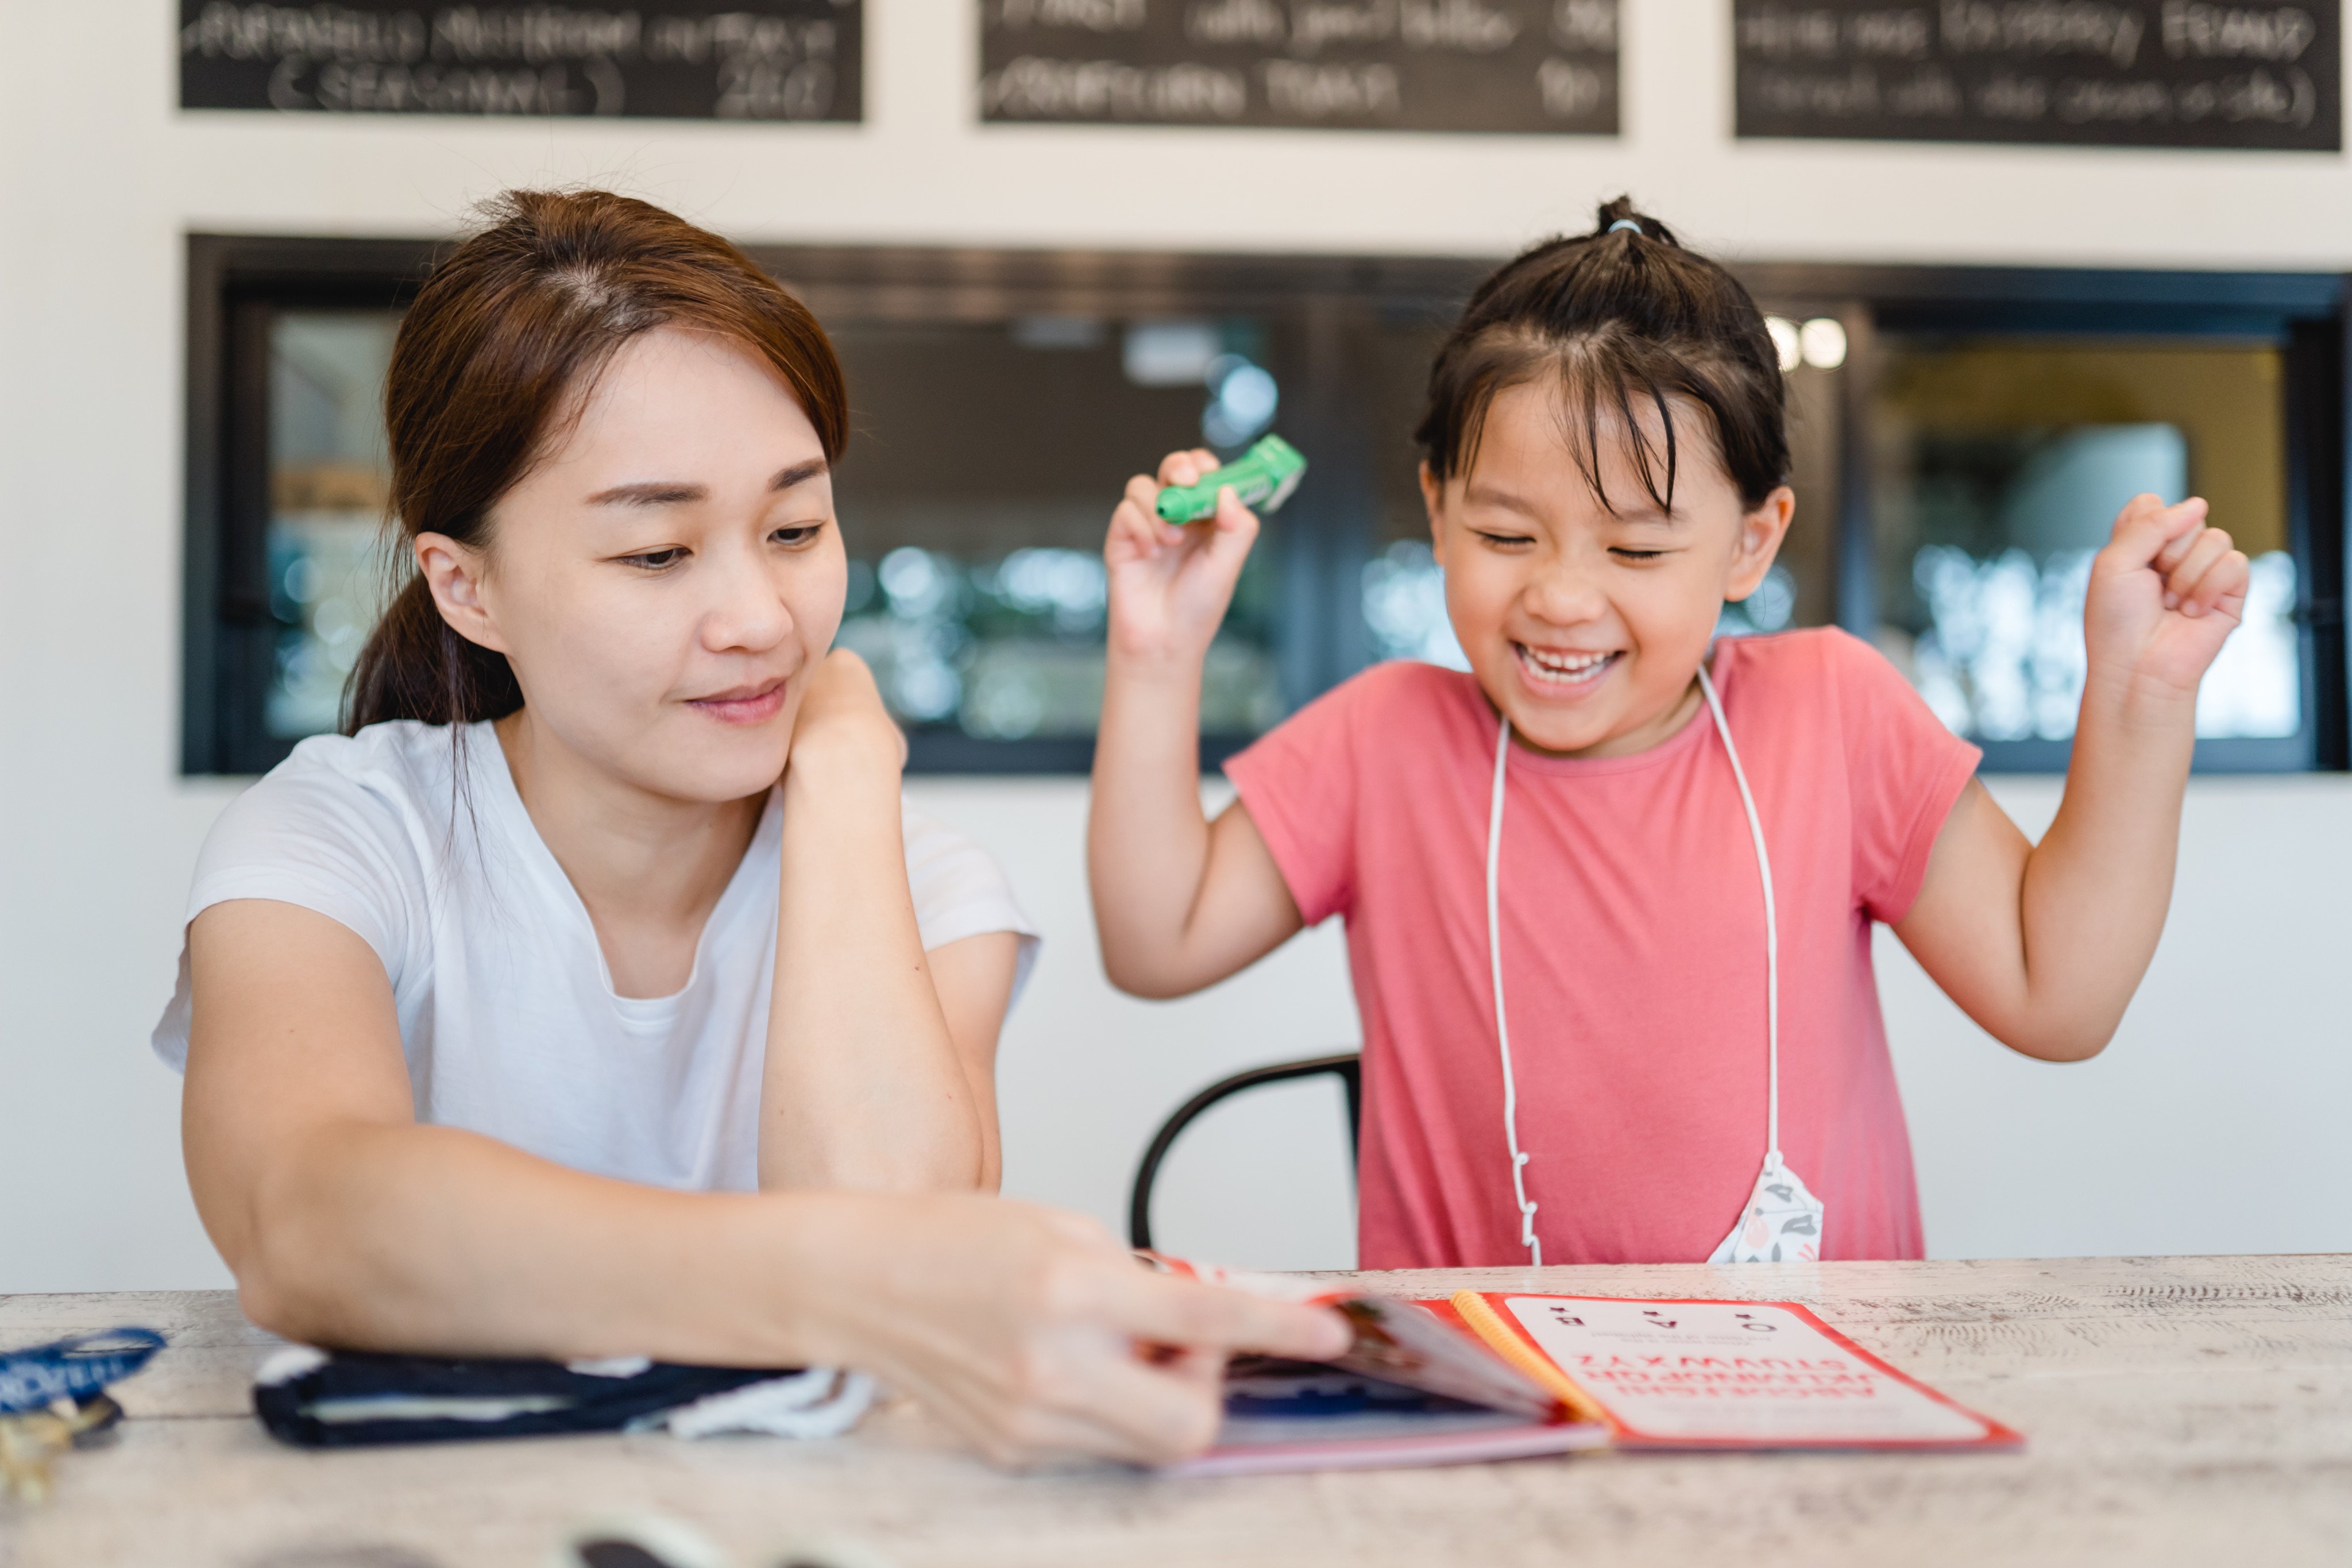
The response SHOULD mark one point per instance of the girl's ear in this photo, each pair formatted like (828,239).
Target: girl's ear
(1432,501)
(454,572)
(1760,532)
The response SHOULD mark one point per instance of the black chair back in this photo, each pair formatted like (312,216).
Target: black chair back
(1346,1067)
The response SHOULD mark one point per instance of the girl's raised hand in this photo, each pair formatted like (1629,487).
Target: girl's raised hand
(2164,595)
(1170,585)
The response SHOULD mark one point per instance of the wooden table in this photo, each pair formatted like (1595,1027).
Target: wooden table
(2191,1410)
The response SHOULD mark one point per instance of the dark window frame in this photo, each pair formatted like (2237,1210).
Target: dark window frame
(233,281)
(227,635)
(2305,314)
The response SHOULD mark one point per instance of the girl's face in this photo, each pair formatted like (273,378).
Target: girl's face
(1585,627)
(664,580)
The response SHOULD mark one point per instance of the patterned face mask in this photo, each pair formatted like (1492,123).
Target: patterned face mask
(1781,1221)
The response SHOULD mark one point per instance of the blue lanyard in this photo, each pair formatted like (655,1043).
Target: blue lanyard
(71,1369)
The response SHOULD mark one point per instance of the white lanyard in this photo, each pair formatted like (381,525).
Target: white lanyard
(1780,1213)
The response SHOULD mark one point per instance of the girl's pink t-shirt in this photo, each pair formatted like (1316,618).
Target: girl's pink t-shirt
(1632,936)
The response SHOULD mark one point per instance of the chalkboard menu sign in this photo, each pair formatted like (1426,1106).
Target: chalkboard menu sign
(675,59)
(2109,73)
(1545,67)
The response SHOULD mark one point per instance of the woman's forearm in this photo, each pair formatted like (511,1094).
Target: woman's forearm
(435,1240)
(862,1087)
(347,1225)
(1015,1326)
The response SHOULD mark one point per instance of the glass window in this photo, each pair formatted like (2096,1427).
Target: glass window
(1952,478)
(1402,589)
(983,469)
(329,474)
(1999,467)
(983,466)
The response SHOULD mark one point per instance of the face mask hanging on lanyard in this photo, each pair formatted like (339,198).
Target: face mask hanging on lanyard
(1781,1221)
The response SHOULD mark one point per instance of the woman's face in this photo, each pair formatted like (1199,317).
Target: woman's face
(666,579)
(1584,624)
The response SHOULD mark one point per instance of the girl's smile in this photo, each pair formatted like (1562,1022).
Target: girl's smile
(1586,608)
(1563,672)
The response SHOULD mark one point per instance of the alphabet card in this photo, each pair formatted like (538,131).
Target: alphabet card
(1719,1374)
(1505,1374)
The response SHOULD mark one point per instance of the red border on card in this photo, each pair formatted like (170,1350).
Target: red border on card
(1997,1435)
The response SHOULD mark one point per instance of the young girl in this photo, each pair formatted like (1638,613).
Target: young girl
(535,1015)
(1609,895)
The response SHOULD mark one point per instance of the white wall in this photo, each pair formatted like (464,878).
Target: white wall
(2212,1125)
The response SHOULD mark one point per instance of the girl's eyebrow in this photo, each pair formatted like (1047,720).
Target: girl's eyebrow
(1489,495)
(1483,494)
(676,492)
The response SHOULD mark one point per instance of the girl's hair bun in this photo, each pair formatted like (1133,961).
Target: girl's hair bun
(1629,327)
(1621,213)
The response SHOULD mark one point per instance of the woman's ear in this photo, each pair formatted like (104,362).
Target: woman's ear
(455,574)
(1762,530)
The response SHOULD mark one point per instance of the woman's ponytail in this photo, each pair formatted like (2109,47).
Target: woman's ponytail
(416,665)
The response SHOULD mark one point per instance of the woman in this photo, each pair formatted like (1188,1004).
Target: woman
(536,1016)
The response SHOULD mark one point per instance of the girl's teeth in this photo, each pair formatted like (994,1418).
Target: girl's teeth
(1564,668)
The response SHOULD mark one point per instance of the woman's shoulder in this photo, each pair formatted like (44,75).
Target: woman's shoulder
(961,890)
(398,758)
(936,851)
(386,781)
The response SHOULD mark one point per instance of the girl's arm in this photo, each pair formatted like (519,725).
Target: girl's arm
(2044,945)
(347,1224)
(864,1087)
(1180,902)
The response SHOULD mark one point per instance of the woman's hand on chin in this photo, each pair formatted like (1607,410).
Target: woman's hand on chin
(1036,1337)
(842,721)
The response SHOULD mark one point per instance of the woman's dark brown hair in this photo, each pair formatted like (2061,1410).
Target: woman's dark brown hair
(495,358)
(1631,324)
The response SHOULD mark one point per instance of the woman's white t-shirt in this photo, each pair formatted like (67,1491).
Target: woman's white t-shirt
(508,1016)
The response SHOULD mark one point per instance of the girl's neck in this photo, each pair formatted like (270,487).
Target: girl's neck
(1651,732)
(648,867)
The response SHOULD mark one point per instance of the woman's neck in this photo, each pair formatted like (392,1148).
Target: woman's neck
(648,867)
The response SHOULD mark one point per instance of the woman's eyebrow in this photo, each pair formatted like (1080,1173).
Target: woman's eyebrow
(650,492)
(678,493)
(798,474)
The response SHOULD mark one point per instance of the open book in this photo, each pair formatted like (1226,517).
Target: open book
(1507,1374)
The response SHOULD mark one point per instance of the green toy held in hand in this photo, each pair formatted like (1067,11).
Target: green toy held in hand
(1262,477)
